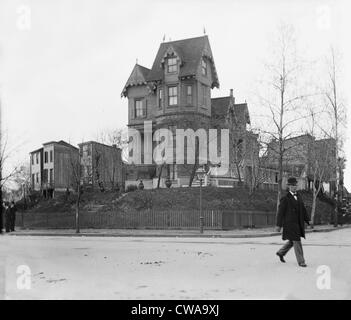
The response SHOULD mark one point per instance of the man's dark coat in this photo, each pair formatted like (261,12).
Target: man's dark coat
(292,216)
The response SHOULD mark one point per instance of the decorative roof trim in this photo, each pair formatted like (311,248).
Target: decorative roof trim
(206,54)
(138,83)
(170,52)
(136,78)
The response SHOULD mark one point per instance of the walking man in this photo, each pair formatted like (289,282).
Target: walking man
(292,216)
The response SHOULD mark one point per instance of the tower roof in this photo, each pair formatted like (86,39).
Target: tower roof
(137,77)
(190,52)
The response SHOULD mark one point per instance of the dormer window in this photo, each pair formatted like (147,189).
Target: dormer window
(189,94)
(172,65)
(204,67)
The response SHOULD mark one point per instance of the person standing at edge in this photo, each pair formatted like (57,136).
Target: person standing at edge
(292,216)
(1,216)
(13,210)
(7,217)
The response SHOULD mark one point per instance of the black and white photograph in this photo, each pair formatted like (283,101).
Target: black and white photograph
(175,150)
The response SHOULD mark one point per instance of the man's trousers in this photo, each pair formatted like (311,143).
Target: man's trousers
(297,247)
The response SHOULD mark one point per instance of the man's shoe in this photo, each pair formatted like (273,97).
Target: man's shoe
(302,264)
(281,257)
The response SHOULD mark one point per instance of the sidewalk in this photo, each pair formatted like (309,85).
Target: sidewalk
(239,233)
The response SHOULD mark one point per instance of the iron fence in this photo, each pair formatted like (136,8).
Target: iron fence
(152,219)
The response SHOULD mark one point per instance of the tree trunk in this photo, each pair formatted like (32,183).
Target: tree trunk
(280,180)
(159,176)
(313,209)
(192,175)
(196,164)
(77,211)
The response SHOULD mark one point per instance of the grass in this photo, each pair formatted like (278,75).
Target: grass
(179,199)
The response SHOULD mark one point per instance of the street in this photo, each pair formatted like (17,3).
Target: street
(41,267)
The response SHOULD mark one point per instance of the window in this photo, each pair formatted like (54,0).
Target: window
(51,175)
(172,96)
(33,179)
(45,175)
(86,150)
(45,157)
(189,94)
(160,102)
(37,177)
(140,111)
(37,157)
(240,148)
(51,158)
(204,95)
(204,67)
(172,65)
(32,158)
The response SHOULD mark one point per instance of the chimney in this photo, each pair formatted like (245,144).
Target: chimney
(231,96)
(114,145)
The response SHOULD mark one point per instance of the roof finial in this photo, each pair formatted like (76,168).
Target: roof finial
(164,38)
(204,30)
(136,60)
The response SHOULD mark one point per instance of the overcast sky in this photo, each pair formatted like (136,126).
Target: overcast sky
(63,64)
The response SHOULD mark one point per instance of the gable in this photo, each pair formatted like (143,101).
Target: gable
(136,78)
(220,108)
(190,52)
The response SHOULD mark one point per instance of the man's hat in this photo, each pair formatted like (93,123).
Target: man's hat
(292,181)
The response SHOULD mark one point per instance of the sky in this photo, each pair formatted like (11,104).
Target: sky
(63,64)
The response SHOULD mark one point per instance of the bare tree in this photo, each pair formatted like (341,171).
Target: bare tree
(76,180)
(6,173)
(195,124)
(337,114)
(20,182)
(119,139)
(283,97)
(321,159)
(256,155)
(237,139)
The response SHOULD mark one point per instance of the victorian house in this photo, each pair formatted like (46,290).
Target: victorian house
(308,159)
(176,94)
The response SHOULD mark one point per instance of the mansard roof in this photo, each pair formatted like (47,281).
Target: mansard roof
(220,106)
(137,77)
(189,52)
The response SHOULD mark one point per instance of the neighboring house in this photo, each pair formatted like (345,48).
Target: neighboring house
(102,166)
(243,144)
(55,169)
(302,154)
(36,169)
(176,94)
